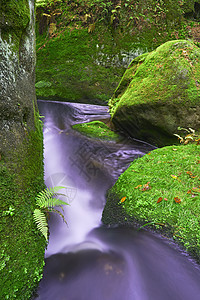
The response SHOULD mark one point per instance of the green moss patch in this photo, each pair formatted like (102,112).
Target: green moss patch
(15,17)
(96,129)
(22,245)
(80,43)
(170,73)
(162,189)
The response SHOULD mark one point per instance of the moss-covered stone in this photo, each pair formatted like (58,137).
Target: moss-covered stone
(96,129)
(21,153)
(94,40)
(160,190)
(159,92)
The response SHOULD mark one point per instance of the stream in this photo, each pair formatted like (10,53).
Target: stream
(85,260)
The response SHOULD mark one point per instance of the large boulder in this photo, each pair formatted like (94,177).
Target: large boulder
(159,92)
(21,153)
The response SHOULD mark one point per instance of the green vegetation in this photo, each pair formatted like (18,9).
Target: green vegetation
(159,92)
(22,246)
(169,73)
(163,189)
(45,201)
(15,19)
(80,43)
(96,129)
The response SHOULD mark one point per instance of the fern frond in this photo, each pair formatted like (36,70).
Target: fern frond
(56,202)
(45,198)
(59,212)
(41,222)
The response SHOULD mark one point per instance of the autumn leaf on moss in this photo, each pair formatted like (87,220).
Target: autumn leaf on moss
(177,200)
(123,199)
(138,186)
(159,199)
(146,187)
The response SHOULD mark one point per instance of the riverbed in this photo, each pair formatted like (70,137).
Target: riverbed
(86,260)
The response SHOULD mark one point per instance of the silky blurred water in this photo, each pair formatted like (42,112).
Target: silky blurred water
(86,260)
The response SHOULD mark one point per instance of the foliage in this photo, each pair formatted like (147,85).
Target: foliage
(80,43)
(46,201)
(163,188)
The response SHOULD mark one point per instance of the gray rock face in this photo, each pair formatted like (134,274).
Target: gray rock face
(17,69)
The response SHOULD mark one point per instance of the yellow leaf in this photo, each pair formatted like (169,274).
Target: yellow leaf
(123,199)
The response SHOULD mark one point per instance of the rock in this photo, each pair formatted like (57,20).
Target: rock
(159,92)
(21,148)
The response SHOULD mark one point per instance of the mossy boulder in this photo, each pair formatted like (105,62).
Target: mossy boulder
(161,191)
(159,92)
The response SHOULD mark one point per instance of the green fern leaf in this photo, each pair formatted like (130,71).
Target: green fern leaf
(59,212)
(40,220)
(56,202)
(45,198)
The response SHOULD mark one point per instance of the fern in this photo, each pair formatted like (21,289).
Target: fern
(45,198)
(46,201)
(41,221)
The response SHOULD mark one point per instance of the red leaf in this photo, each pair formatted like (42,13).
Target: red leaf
(159,199)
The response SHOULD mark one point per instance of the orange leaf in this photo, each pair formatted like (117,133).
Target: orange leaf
(138,186)
(123,199)
(188,172)
(159,199)
(189,192)
(177,200)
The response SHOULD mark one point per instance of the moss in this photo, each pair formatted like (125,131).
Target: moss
(96,129)
(22,246)
(88,47)
(166,74)
(15,17)
(164,174)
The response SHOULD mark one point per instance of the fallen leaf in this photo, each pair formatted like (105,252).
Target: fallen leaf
(189,173)
(146,187)
(196,189)
(159,199)
(123,199)
(138,186)
(177,200)
(165,199)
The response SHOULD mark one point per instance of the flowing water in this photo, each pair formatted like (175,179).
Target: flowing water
(87,260)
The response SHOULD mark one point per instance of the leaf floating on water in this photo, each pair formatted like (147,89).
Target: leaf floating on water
(123,199)
(177,200)
(159,199)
